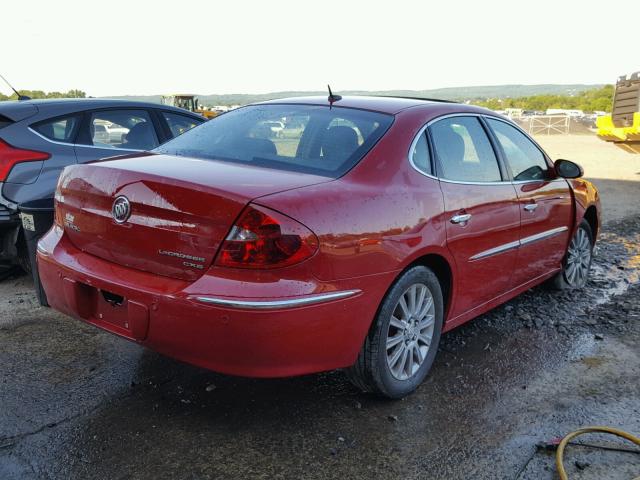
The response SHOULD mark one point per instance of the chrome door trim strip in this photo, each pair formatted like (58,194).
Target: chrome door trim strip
(519,243)
(277,304)
(495,251)
(543,235)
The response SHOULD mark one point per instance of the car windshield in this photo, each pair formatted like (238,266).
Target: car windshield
(303,138)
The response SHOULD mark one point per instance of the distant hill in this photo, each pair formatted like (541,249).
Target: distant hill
(451,93)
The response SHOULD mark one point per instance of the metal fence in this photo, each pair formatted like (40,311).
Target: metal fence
(549,124)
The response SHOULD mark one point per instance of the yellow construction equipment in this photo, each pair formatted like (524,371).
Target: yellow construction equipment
(188,102)
(622,127)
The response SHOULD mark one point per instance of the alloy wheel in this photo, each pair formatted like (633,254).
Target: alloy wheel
(578,258)
(410,331)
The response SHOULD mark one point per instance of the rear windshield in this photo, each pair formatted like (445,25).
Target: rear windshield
(301,138)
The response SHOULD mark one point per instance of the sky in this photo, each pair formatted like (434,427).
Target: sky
(140,47)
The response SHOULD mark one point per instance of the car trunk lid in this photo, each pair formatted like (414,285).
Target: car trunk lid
(181,209)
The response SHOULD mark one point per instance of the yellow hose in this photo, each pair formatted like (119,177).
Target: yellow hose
(582,431)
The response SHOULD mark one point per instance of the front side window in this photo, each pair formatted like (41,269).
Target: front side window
(305,138)
(60,129)
(130,129)
(525,159)
(464,151)
(178,124)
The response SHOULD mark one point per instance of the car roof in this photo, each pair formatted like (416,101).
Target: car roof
(89,102)
(46,108)
(389,105)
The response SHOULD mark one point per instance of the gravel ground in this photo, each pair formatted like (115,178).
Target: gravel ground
(78,403)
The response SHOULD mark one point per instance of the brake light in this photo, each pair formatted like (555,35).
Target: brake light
(10,156)
(262,238)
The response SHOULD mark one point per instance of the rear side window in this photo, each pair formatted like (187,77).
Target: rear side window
(130,129)
(60,129)
(464,151)
(525,159)
(178,124)
(419,154)
(305,138)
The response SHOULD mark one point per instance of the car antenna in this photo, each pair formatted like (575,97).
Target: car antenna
(20,97)
(332,97)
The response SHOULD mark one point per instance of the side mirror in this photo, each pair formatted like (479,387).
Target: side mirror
(568,169)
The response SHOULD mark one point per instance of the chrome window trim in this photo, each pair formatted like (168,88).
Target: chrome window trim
(517,244)
(67,144)
(459,182)
(414,143)
(437,119)
(478,115)
(277,304)
(527,136)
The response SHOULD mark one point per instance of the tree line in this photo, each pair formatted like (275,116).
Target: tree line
(35,94)
(590,100)
(597,99)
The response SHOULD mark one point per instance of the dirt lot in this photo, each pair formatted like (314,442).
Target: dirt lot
(614,171)
(78,403)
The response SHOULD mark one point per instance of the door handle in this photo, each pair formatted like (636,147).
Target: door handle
(531,207)
(461,218)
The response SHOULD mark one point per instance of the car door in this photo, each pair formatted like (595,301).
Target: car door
(545,203)
(111,132)
(481,209)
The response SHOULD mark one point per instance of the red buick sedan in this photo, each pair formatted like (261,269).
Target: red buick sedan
(351,238)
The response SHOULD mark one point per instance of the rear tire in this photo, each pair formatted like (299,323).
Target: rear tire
(403,340)
(577,261)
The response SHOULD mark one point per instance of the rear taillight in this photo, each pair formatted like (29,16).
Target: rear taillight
(10,156)
(262,238)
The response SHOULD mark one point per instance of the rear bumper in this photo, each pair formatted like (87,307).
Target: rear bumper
(310,326)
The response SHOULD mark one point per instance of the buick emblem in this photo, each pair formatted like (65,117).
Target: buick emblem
(121,209)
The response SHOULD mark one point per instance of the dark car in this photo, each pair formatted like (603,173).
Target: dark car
(38,138)
(352,242)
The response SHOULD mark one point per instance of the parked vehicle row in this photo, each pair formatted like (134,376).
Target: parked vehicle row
(38,138)
(378,225)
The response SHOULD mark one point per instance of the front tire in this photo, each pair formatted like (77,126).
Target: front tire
(403,340)
(577,261)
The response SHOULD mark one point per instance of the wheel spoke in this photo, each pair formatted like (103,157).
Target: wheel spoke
(395,340)
(396,322)
(419,354)
(426,308)
(410,360)
(396,355)
(571,272)
(420,301)
(426,322)
(403,361)
(424,339)
(405,310)
(411,295)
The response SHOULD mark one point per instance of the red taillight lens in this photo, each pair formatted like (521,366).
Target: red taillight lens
(10,156)
(262,238)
